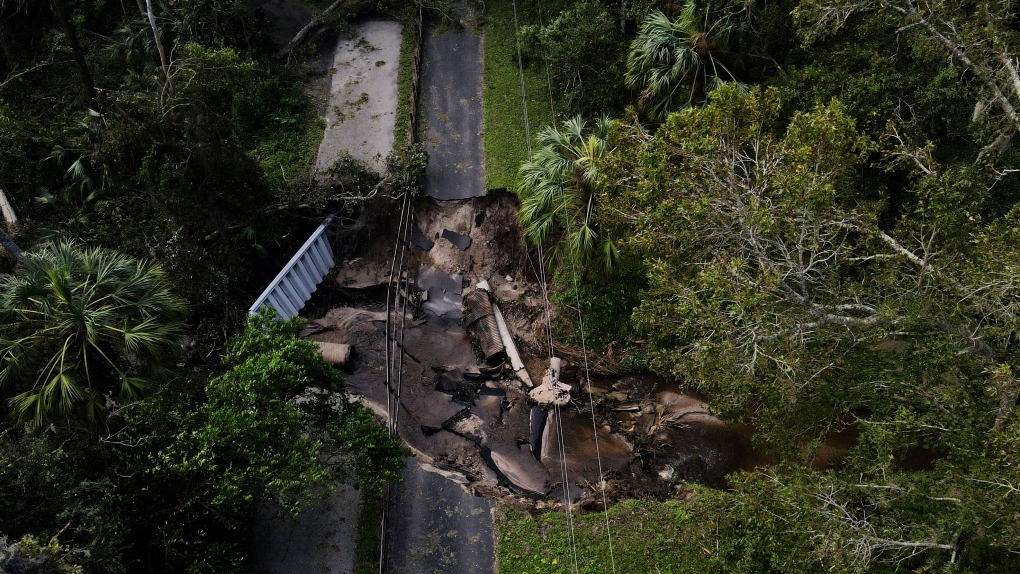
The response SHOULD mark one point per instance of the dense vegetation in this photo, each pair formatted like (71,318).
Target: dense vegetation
(816,204)
(805,209)
(155,172)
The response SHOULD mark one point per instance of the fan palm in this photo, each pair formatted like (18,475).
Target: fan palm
(677,63)
(78,325)
(556,193)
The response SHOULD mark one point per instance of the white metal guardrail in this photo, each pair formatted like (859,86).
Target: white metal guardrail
(294,285)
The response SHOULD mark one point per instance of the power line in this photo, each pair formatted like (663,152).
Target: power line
(564,474)
(584,349)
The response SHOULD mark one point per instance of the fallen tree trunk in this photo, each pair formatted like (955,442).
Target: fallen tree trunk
(7,210)
(318,20)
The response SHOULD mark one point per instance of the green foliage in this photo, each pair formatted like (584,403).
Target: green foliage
(604,301)
(175,480)
(79,326)
(506,145)
(774,290)
(584,51)
(557,202)
(29,555)
(367,544)
(275,424)
(675,64)
(407,168)
(405,71)
(794,520)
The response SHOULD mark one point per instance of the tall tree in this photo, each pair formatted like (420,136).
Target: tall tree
(78,325)
(60,9)
(979,36)
(556,193)
(774,289)
(675,64)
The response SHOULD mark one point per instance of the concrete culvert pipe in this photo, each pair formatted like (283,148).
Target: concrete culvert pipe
(336,354)
(482,323)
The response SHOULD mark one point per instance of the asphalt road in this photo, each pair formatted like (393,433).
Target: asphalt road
(436,527)
(452,109)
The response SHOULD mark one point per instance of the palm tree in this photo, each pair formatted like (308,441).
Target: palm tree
(555,187)
(677,63)
(79,325)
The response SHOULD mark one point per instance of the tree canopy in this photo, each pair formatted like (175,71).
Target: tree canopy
(80,326)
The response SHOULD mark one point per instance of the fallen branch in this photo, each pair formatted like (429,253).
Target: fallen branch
(304,33)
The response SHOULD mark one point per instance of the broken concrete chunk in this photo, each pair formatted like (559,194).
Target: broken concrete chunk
(419,240)
(483,373)
(443,299)
(551,392)
(493,390)
(551,395)
(429,430)
(434,409)
(457,475)
(471,427)
(452,382)
(460,241)
(520,471)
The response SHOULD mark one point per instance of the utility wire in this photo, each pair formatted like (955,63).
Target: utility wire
(567,512)
(584,348)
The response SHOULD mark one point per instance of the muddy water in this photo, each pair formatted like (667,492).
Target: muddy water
(674,435)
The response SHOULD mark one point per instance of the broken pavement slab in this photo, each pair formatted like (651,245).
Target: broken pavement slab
(460,241)
(419,240)
(444,292)
(467,425)
(520,471)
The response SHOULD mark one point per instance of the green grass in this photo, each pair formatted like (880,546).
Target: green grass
(366,546)
(505,142)
(290,144)
(409,35)
(648,537)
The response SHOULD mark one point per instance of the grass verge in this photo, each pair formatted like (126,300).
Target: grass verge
(648,537)
(408,37)
(366,545)
(505,142)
